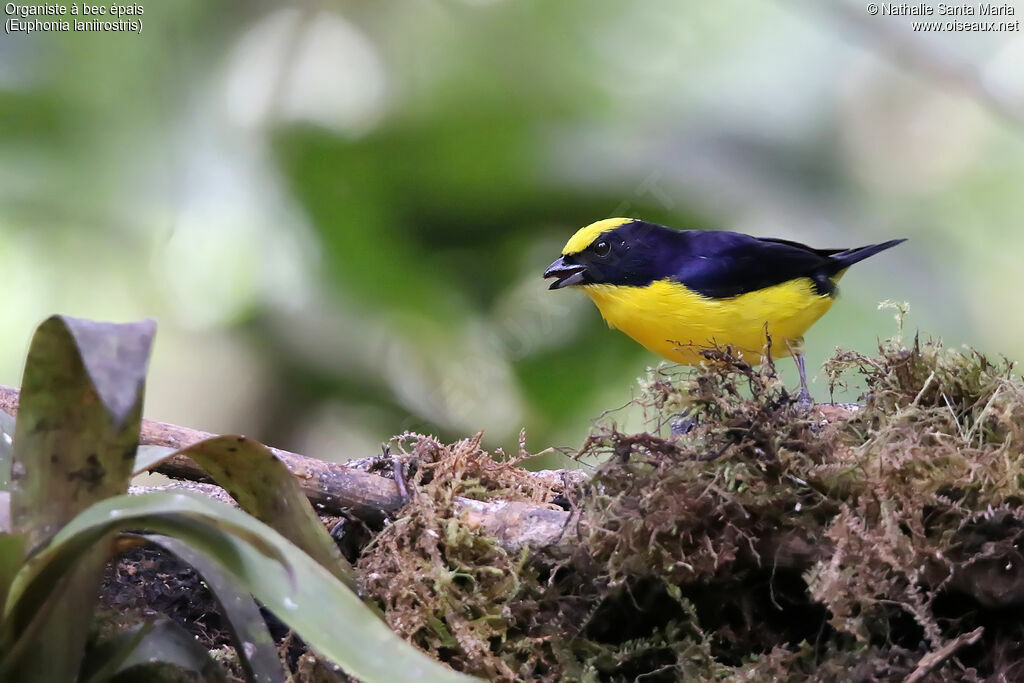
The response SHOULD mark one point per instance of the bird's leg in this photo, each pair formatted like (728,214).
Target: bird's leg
(803,399)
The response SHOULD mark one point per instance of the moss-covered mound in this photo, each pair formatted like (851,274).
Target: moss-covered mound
(873,542)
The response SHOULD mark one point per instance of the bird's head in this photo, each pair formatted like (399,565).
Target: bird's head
(615,251)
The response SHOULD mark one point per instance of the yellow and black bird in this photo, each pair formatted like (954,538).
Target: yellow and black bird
(680,292)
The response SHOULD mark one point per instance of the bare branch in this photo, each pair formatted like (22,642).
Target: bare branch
(933,660)
(335,488)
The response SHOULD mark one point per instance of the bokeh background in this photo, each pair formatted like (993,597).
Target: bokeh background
(339,211)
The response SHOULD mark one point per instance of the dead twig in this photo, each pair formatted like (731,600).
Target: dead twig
(933,660)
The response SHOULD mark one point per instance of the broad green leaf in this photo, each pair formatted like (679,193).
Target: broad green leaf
(104,659)
(46,584)
(78,420)
(253,643)
(40,577)
(65,613)
(79,415)
(158,642)
(147,457)
(12,549)
(265,488)
(298,589)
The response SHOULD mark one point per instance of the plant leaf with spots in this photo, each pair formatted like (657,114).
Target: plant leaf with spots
(78,423)
(298,589)
(265,488)
(79,418)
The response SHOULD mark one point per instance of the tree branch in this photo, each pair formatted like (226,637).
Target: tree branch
(933,660)
(334,488)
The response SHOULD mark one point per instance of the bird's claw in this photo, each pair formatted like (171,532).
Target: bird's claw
(682,424)
(803,401)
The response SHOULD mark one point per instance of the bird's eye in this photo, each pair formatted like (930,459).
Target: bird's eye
(602,248)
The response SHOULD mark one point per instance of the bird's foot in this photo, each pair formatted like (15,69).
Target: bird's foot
(682,423)
(803,401)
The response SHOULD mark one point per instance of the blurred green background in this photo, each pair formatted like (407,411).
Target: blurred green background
(339,212)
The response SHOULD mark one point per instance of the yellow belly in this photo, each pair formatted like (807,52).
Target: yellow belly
(678,324)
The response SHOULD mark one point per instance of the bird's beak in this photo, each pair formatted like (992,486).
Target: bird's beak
(567,274)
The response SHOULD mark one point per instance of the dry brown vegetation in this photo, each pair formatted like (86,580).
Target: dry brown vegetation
(880,544)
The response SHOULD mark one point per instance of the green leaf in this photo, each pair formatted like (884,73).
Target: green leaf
(147,457)
(79,417)
(103,660)
(264,487)
(34,586)
(253,643)
(154,643)
(299,590)
(12,551)
(63,615)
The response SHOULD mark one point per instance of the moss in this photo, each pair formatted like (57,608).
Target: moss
(444,586)
(844,543)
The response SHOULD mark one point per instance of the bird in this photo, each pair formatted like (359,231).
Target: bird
(679,293)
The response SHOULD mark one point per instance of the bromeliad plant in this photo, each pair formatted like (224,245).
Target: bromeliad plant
(65,513)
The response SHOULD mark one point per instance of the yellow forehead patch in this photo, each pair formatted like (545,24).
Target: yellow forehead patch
(584,236)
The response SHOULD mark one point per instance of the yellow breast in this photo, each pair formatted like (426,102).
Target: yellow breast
(677,323)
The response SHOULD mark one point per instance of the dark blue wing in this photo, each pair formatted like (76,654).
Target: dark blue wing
(722,264)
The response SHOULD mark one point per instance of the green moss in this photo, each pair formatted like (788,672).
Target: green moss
(445,586)
(767,542)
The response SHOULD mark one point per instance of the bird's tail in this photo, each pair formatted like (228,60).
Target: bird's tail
(844,259)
